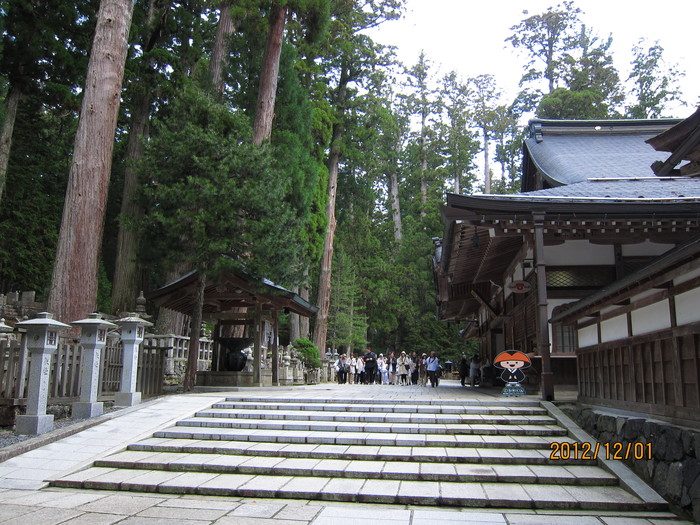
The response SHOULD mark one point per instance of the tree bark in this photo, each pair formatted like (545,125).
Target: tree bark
(423,164)
(127,275)
(265,107)
(294,322)
(195,327)
(73,291)
(304,328)
(487,167)
(8,127)
(224,30)
(170,321)
(324,281)
(395,206)
(127,271)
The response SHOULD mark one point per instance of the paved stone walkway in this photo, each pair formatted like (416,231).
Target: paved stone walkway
(25,497)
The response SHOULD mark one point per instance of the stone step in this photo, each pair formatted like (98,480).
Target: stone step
(441,493)
(368,469)
(384,428)
(358,438)
(401,408)
(350,400)
(474,455)
(222,410)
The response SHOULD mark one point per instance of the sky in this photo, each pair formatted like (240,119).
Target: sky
(468,36)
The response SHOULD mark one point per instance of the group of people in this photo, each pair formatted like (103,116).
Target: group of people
(392,369)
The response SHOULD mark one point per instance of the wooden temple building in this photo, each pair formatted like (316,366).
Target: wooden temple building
(235,299)
(593,267)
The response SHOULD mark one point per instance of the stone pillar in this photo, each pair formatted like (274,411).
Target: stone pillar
(132,335)
(93,338)
(42,343)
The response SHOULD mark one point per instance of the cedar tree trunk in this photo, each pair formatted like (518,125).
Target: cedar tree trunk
(193,354)
(324,280)
(8,127)
(265,108)
(126,281)
(395,205)
(73,290)
(218,55)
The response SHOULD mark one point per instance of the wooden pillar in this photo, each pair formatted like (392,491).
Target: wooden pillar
(275,349)
(547,378)
(257,345)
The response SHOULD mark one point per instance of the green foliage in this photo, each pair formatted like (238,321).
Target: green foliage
(30,215)
(654,83)
(307,352)
(546,38)
(213,197)
(348,323)
(565,104)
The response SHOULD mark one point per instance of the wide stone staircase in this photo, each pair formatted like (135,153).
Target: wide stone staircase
(487,454)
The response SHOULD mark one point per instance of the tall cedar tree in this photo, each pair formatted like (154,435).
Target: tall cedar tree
(351,55)
(73,290)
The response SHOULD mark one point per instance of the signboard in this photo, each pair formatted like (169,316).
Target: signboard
(520,287)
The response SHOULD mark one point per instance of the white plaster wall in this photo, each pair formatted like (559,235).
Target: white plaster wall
(614,328)
(645,248)
(579,253)
(688,307)
(654,317)
(686,276)
(588,336)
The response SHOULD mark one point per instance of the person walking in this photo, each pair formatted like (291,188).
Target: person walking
(474,370)
(403,364)
(463,370)
(433,366)
(383,369)
(360,370)
(423,370)
(414,369)
(351,364)
(391,364)
(341,369)
(370,366)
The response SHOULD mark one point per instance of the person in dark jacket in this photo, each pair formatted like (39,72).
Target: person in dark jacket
(463,369)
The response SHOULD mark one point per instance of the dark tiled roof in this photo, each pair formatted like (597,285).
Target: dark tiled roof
(667,188)
(572,159)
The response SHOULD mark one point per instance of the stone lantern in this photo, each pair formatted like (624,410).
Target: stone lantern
(93,338)
(42,343)
(132,335)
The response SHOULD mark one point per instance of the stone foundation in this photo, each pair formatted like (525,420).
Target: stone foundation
(674,468)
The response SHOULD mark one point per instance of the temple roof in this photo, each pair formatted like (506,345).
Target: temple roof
(228,292)
(561,152)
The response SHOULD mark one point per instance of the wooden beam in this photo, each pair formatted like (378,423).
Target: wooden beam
(484,303)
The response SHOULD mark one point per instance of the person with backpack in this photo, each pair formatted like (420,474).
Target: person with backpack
(341,369)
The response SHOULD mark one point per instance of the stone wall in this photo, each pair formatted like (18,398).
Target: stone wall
(674,468)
